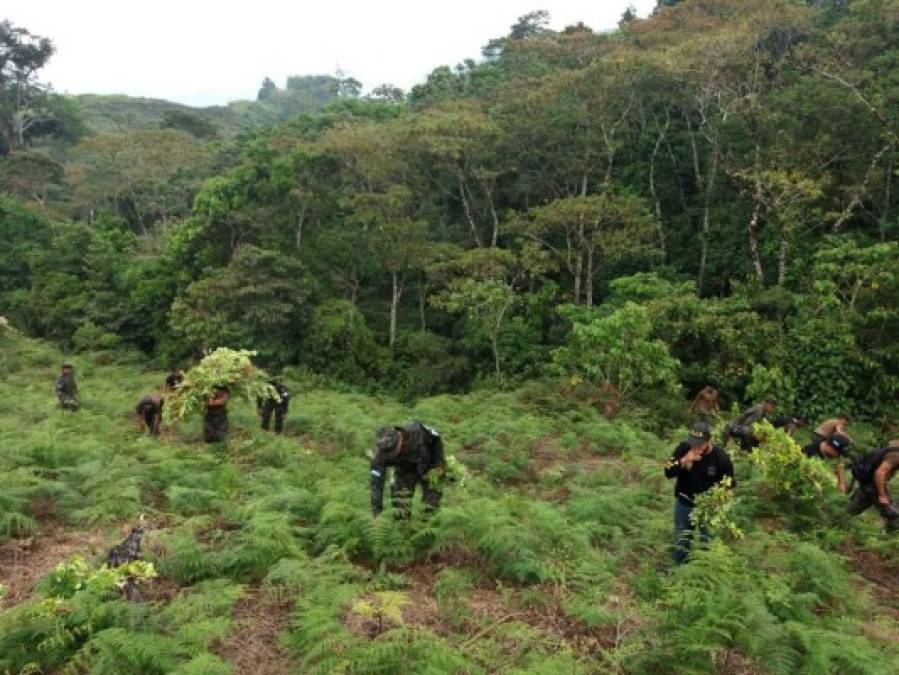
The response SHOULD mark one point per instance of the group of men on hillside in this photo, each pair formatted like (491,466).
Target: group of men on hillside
(215,418)
(416,452)
(698,464)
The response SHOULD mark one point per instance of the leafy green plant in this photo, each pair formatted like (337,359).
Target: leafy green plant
(222,368)
(713,510)
(616,350)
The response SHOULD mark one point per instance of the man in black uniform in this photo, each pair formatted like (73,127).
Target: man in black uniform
(416,453)
(698,466)
(67,388)
(742,428)
(873,472)
(834,447)
(215,422)
(275,405)
(149,413)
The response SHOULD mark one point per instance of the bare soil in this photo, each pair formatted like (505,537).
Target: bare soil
(252,646)
(23,562)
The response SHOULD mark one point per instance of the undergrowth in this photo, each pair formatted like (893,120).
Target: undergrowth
(553,558)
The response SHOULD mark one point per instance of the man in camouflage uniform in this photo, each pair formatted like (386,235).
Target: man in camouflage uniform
(277,405)
(67,388)
(215,421)
(742,428)
(416,453)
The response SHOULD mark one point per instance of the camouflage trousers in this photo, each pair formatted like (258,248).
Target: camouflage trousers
(403,490)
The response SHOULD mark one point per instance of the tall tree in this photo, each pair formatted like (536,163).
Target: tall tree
(22,96)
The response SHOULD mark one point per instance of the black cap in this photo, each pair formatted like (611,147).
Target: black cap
(700,434)
(840,443)
(388,438)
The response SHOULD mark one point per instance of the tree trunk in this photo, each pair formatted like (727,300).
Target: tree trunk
(394,305)
(578,271)
(588,277)
(782,259)
(708,188)
(652,182)
(754,230)
(467,208)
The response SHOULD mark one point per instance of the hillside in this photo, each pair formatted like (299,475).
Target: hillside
(104,114)
(553,558)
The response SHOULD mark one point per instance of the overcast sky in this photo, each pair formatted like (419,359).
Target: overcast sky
(204,52)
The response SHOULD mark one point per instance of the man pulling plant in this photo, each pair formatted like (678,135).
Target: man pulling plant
(874,471)
(833,447)
(149,413)
(742,428)
(416,453)
(829,427)
(697,466)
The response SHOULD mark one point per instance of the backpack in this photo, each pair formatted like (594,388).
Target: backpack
(863,467)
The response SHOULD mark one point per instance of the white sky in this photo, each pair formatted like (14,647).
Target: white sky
(204,52)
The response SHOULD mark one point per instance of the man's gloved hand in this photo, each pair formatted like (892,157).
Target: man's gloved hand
(891,511)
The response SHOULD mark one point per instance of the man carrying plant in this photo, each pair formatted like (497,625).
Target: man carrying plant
(67,388)
(874,471)
(742,428)
(833,447)
(215,422)
(697,466)
(416,453)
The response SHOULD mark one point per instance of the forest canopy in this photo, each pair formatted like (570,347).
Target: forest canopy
(727,164)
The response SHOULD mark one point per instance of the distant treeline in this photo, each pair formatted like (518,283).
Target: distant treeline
(717,180)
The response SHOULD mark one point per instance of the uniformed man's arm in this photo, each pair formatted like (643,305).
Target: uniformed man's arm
(438,456)
(889,464)
(378,477)
(841,477)
(673,467)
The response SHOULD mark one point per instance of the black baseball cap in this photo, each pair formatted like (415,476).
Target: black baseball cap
(840,443)
(700,434)
(388,438)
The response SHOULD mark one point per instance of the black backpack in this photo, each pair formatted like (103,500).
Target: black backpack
(863,467)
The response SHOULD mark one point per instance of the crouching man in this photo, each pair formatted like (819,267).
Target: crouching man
(415,451)
(874,471)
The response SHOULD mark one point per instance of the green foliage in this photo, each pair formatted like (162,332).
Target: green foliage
(774,382)
(258,301)
(795,481)
(713,511)
(221,368)
(616,350)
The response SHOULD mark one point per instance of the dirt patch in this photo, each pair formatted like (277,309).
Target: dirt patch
(883,574)
(550,619)
(24,561)
(252,646)
(733,662)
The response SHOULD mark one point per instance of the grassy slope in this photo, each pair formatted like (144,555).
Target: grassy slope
(552,559)
(119,113)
